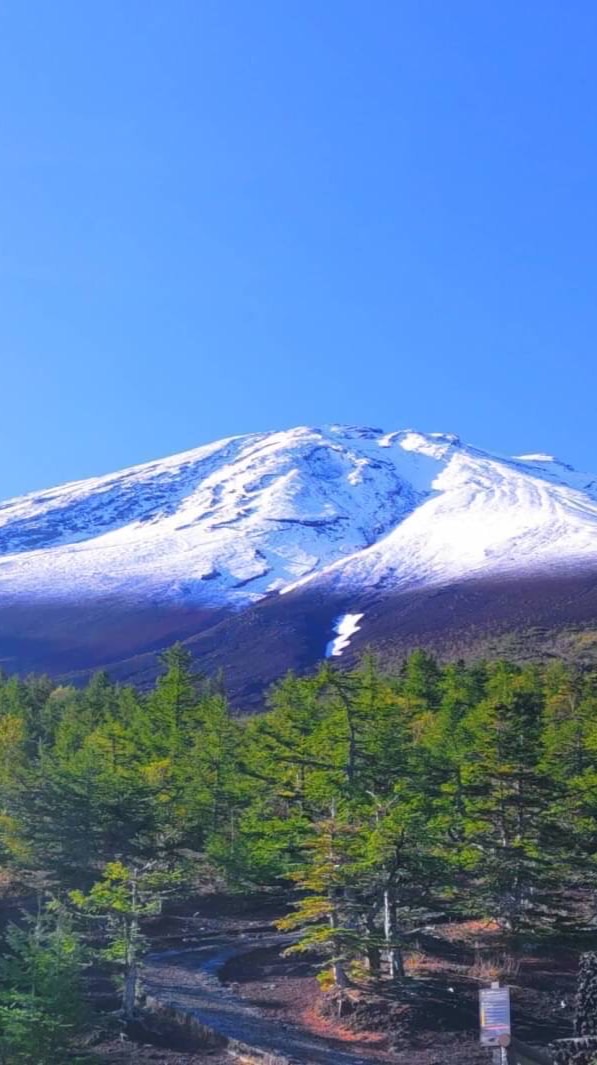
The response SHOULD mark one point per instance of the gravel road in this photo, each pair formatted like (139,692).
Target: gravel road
(188,980)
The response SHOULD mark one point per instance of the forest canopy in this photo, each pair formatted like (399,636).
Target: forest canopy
(376,802)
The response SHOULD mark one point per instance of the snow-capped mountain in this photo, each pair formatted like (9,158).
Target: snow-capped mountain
(341,512)
(251,515)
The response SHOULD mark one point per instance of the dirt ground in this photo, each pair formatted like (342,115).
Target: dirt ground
(439,1026)
(288,991)
(118,1053)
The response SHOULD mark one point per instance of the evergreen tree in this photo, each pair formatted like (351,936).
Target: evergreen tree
(172,713)
(506,796)
(41,1002)
(120,900)
(325,912)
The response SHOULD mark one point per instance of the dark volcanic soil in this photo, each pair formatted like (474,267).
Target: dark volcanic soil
(230,971)
(288,991)
(246,986)
(116,1052)
(534,616)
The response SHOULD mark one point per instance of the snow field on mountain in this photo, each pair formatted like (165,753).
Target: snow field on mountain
(248,516)
(484,518)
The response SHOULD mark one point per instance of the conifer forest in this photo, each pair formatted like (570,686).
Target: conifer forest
(375,805)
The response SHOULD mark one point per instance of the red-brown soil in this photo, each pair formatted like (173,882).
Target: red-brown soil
(434,1024)
(288,991)
(439,1026)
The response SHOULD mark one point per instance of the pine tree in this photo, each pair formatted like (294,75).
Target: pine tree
(420,679)
(80,812)
(506,796)
(172,713)
(325,912)
(41,1001)
(120,900)
(280,757)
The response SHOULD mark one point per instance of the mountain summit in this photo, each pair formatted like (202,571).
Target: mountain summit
(342,513)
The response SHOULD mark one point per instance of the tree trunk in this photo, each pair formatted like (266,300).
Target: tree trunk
(129,994)
(585,1018)
(393,953)
(373,953)
(131,972)
(338,970)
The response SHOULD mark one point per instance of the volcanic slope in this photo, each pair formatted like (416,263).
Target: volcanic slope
(289,535)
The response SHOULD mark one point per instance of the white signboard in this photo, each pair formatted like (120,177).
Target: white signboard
(494,1016)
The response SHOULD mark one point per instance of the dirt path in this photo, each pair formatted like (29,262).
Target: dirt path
(188,980)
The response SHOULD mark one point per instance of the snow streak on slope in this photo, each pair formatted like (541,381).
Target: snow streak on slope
(235,520)
(344,627)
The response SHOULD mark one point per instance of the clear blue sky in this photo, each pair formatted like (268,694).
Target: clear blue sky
(219,216)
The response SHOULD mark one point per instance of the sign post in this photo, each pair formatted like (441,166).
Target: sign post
(494,1019)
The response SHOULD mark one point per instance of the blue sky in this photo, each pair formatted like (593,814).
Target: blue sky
(220,217)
